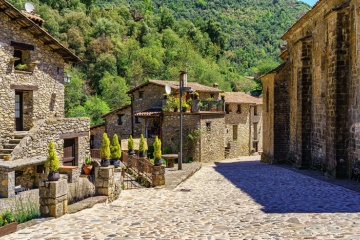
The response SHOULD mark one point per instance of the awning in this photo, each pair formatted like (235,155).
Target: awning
(149,113)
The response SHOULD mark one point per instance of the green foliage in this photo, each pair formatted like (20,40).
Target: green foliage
(113,91)
(130,143)
(95,108)
(168,150)
(7,217)
(157,148)
(115,148)
(142,145)
(21,67)
(105,147)
(26,208)
(88,161)
(52,163)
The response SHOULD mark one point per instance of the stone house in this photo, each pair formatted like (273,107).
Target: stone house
(243,121)
(146,116)
(32,73)
(311,100)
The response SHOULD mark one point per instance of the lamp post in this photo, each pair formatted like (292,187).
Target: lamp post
(183,78)
(67,78)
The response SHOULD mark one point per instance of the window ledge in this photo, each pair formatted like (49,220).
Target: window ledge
(23,72)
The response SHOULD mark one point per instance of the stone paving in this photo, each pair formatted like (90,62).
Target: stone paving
(234,199)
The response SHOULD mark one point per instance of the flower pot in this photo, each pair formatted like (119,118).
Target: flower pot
(142,154)
(105,162)
(158,162)
(54,176)
(8,228)
(87,169)
(6,158)
(116,163)
(131,152)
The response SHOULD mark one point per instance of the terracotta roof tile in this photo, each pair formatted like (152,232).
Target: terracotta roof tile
(116,110)
(241,97)
(175,85)
(149,113)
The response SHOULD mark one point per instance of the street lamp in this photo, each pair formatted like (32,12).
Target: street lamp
(183,78)
(67,78)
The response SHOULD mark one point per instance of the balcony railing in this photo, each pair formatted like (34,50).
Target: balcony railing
(211,106)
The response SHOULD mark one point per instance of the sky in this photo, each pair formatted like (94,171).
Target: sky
(310,2)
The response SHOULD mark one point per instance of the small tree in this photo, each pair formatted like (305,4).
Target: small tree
(105,147)
(115,148)
(142,146)
(52,163)
(157,148)
(130,143)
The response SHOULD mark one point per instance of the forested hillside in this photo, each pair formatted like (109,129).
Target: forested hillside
(124,43)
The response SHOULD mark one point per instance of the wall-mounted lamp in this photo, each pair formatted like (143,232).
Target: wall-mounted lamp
(67,78)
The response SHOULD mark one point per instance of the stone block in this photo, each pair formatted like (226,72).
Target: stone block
(58,188)
(56,210)
(104,191)
(99,182)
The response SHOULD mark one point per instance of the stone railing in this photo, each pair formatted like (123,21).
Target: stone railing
(36,142)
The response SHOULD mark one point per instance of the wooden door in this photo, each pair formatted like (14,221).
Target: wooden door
(69,152)
(19,126)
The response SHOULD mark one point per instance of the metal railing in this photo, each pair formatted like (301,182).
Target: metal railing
(212,106)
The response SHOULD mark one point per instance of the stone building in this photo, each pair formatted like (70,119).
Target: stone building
(146,115)
(311,100)
(243,121)
(32,100)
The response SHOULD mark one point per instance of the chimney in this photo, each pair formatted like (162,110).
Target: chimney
(183,78)
(215,85)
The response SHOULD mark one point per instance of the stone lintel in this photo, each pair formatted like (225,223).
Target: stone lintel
(73,135)
(24,87)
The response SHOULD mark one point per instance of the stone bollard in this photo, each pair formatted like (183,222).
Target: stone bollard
(158,176)
(53,198)
(104,180)
(7,187)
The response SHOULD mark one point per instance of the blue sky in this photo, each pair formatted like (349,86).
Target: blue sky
(310,2)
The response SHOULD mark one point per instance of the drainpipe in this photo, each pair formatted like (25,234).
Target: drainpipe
(132,113)
(250,123)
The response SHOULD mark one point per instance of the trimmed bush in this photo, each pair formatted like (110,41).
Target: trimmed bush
(157,148)
(131,143)
(105,147)
(115,148)
(52,163)
(142,145)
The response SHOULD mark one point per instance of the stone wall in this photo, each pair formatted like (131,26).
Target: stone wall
(45,79)
(212,137)
(97,132)
(171,134)
(56,129)
(124,130)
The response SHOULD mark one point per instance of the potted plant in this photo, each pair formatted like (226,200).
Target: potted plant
(115,150)
(222,96)
(157,152)
(21,67)
(87,165)
(131,150)
(7,223)
(196,95)
(166,96)
(52,163)
(185,106)
(105,151)
(142,147)
(7,157)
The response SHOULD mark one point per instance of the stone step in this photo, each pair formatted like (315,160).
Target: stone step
(14,141)
(19,135)
(6,151)
(10,145)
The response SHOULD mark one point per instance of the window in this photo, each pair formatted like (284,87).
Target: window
(235,132)
(255,146)
(120,119)
(141,94)
(22,56)
(137,120)
(212,95)
(255,131)
(255,111)
(208,126)
(227,108)
(238,108)
(92,141)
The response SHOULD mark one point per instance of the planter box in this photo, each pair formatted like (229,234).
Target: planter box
(8,228)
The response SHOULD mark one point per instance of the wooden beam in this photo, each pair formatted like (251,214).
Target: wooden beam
(74,135)
(57,50)
(24,87)
(27,27)
(41,35)
(17,18)
(22,46)
(48,42)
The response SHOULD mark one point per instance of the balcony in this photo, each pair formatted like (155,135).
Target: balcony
(208,106)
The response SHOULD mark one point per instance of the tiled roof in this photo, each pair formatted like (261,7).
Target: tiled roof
(149,113)
(29,25)
(116,110)
(97,125)
(241,97)
(175,85)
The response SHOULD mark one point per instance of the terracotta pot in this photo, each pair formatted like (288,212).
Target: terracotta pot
(54,176)
(6,158)
(8,228)
(87,169)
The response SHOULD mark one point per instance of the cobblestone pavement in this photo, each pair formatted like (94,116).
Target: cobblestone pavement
(233,199)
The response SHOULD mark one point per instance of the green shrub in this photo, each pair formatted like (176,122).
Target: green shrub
(131,143)
(167,150)
(150,152)
(115,148)
(157,148)
(142,145)
(105,147)
(52,163)
(8,217)
(88,161)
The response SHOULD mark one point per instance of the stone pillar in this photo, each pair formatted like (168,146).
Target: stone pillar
(104,180)
(53,198)
(7,187)
(158,176)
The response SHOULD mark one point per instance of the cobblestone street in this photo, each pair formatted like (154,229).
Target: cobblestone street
(234,199)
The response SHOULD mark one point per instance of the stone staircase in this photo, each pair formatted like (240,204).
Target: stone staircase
(12,143)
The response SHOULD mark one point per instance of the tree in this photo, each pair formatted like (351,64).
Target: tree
(113,91)
(95,108)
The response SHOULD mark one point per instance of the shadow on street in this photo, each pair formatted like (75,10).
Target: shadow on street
(280,190)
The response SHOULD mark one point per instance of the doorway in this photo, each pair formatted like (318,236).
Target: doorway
(19,115)
(70,156)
